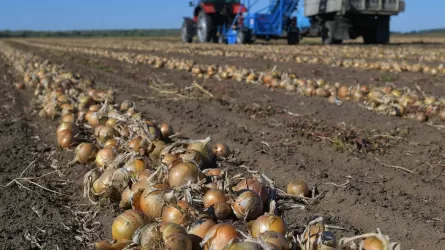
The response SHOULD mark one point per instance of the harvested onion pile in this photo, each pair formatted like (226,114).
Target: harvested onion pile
(175,192)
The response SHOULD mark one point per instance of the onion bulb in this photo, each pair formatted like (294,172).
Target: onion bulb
(111,143)
(183,173)
(135,144)
(373,243)
(65,138)
(202,148)
(175,237)
(268,222)
(442,115)
(219,235)
(276,239)
(254,185)
(111,178)
(64,126)
(104,133)
(68,118)
(85,152)
(242,245)
(175,215)
(221,210)
(221,150)
(166,130)
(105,157)
(213,196)
(248,205)
(298,188)
(126,224)
(153,201)
(106,245)
(135,165)
(343,92)
(199,229)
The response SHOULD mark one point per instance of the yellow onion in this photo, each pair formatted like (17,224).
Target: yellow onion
(94,108)
(442,115)
(111,143)
(221,150)
(143,175)
(135,144)
(111,178)
(248,205)
(105,157)
(106,245)
(199,229)
(213,172)
(135,165)
(65,138)
(373,243)
(168,159)
(125,105)
(153,201)
(126,224)
(202,148)
(166,130)
(343,92)
(68,118)
(183,173)
(219,235)
(85,152)
(111,122)
(254,185)
(276,239)
(213,196)
(193,156)
(148,237)
(64,126)
(158,145)
(104,133)
(268,222)
(299,188)
(175,237)
(174,215)
(243,245)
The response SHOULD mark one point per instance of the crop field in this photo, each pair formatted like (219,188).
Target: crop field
(156,144)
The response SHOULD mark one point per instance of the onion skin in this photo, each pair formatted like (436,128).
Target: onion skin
(213,196)
(180,174)
(254,185)
(65,138)
(268,222)
(373,243)
(298,188)
(126,224)
(248,205)
(219,235)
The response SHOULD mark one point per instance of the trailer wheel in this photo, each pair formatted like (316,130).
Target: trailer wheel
(205,28)
(243,37)
(327,34)
(187,31)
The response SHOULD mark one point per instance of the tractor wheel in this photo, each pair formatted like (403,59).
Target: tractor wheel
(205,28)
(243,37)
(327,34)
(187,31)
(293,37)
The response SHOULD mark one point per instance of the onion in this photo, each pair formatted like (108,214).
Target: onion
(421,117)
(85,152)
(105,245)
(219,235)
(105,157)
(213,196)
(192,156)
(221,210)
(135,165)
(183,173)
(299,188)
(64,126)
(111,122)
(268,222)
(175,237)
(111,178)
(166,130)
(126,224)
(148,237)
(254,185)
(168,159)
(125,105)
(343,92)
(174,215)
(442,115)
(65,138)
(69,118)
(199,229)
(111,143)
(156,150)
(213,172)
(373,243)
(104,133)
(153,201)
(94,108)
(248,205)
(221,150)
(243,245)
(202,148)
(276,239)
(143,175)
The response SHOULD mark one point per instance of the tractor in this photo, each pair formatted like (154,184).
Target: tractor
(210,19)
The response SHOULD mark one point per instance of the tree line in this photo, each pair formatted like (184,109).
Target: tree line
(91,33)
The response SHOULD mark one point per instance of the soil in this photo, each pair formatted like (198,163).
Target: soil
(284,135)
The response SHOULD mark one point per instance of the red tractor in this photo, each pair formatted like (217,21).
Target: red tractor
(210,18)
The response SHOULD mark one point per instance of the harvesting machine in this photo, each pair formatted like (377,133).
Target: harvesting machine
(230,21)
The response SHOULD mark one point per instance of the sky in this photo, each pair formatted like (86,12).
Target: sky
(148,14)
